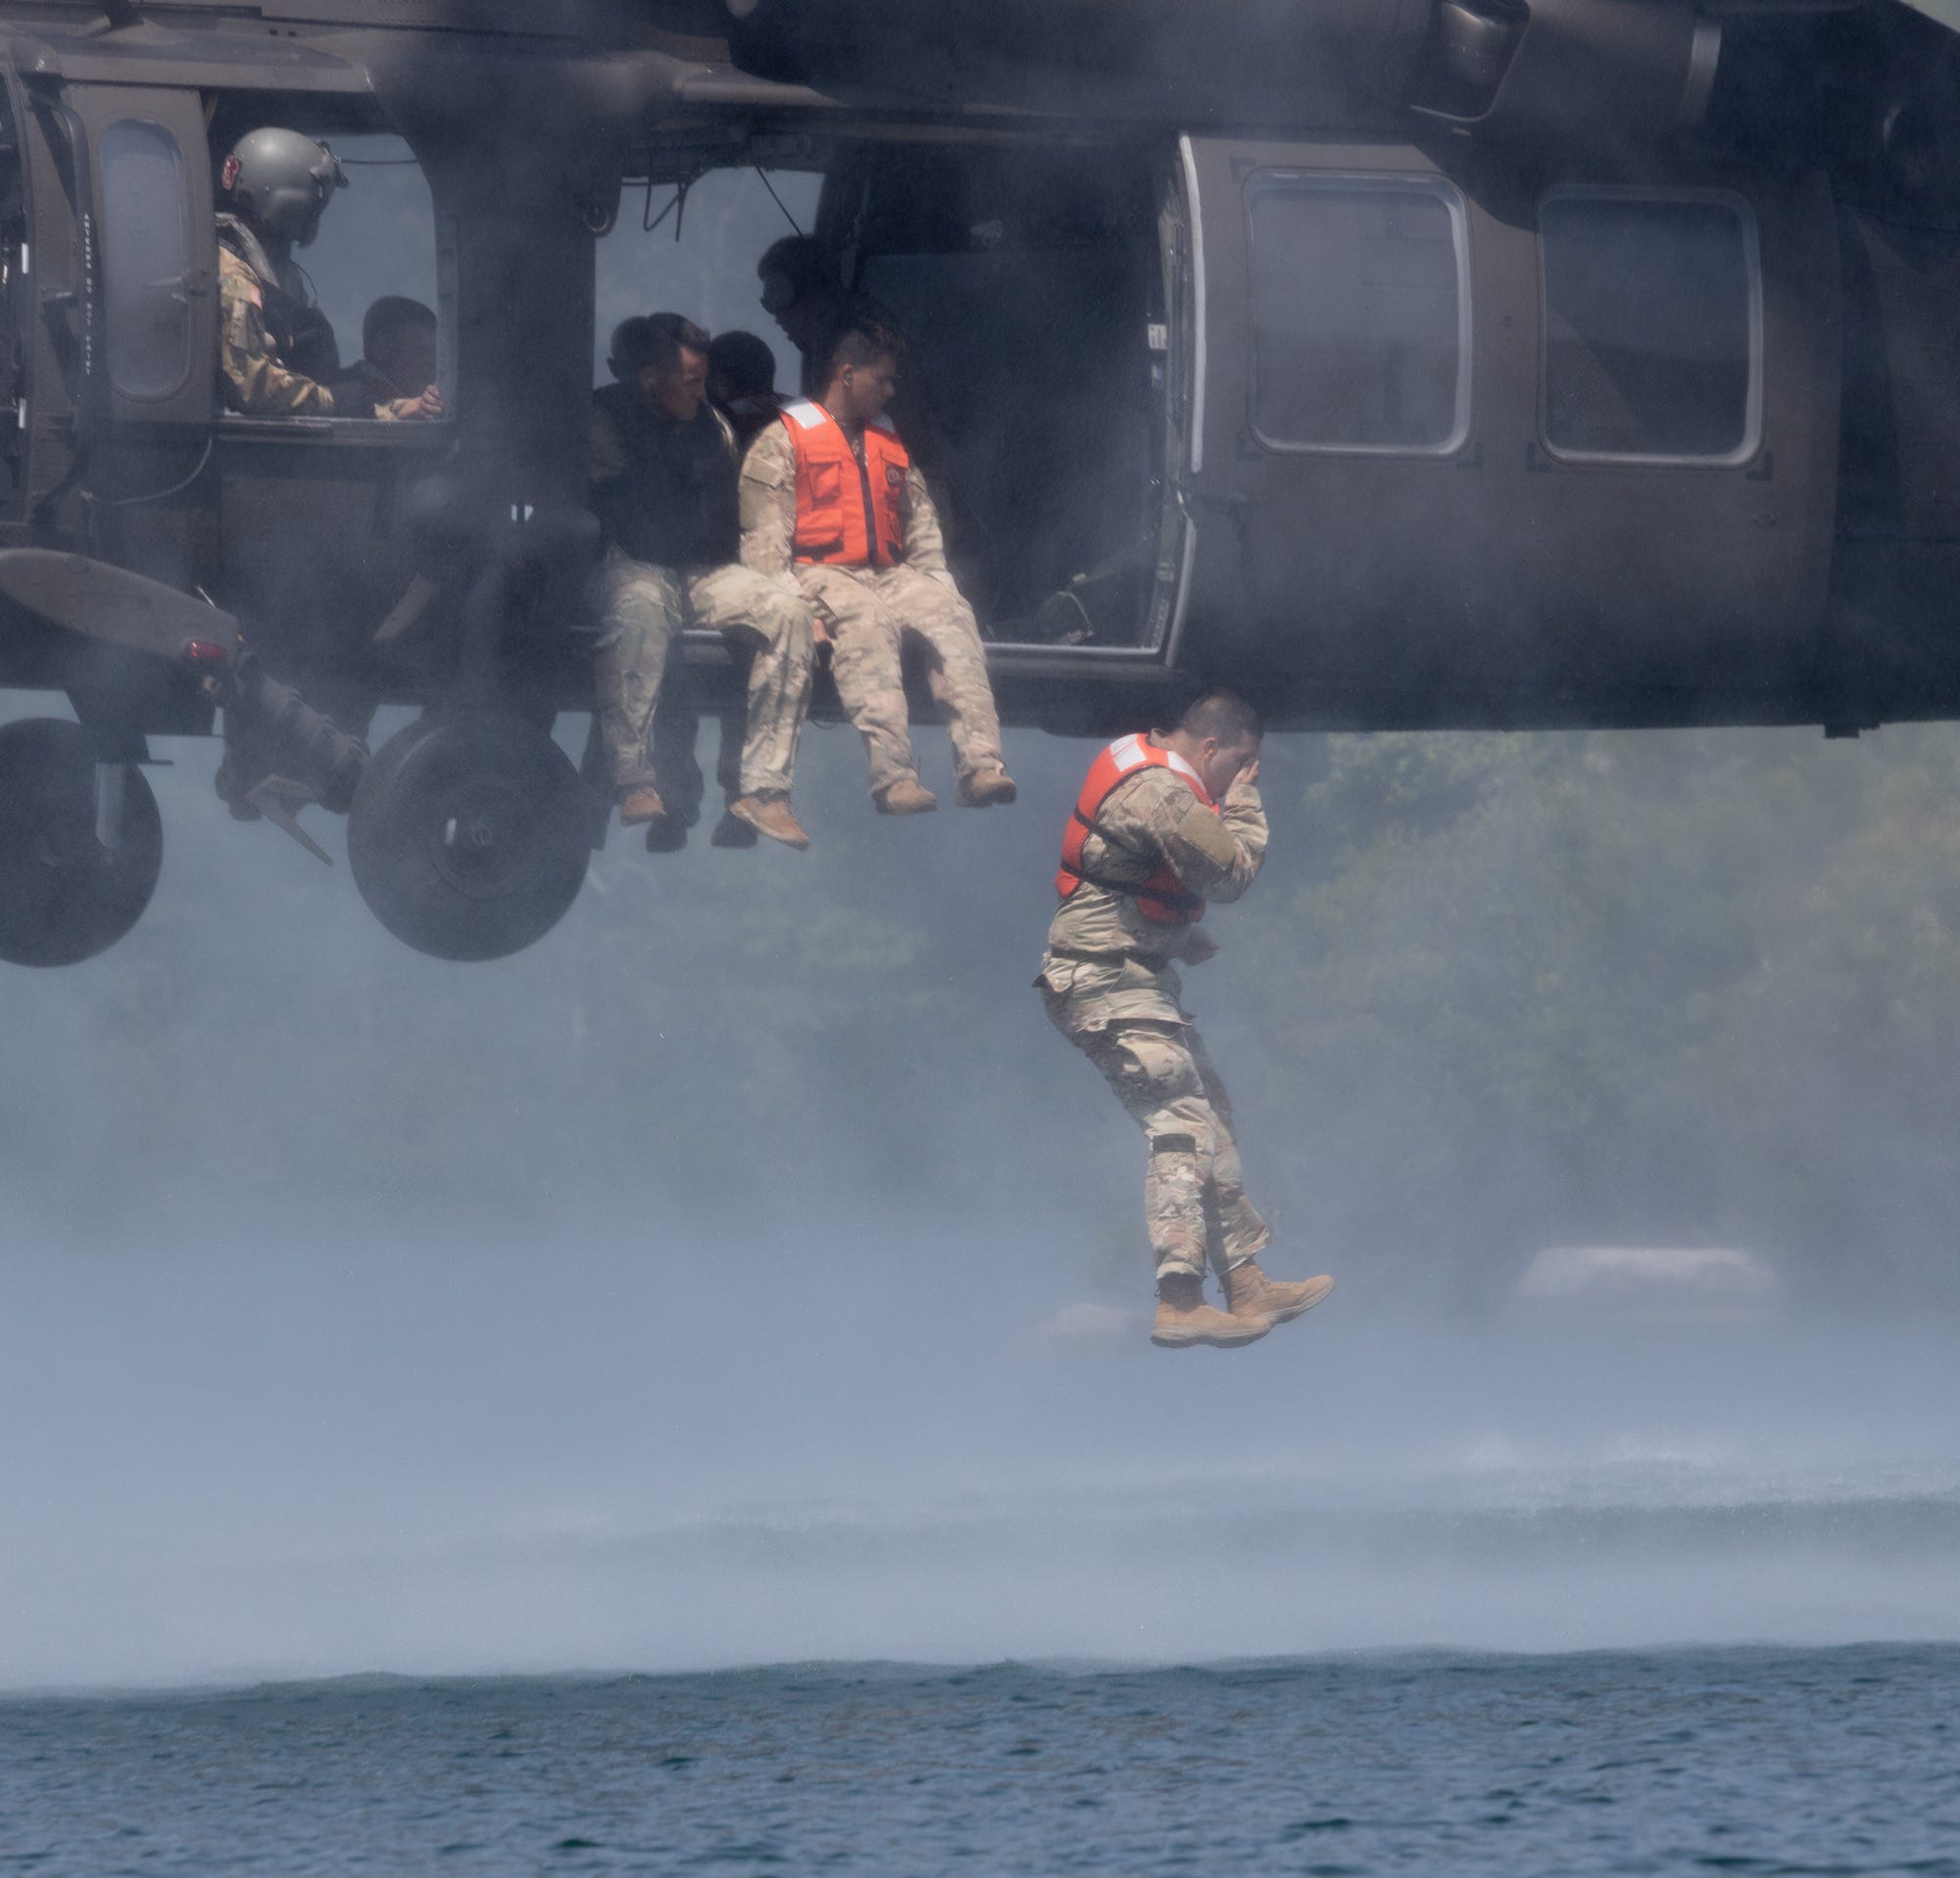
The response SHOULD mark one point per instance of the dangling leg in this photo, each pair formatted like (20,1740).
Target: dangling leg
(1241,1235)
(956,672)
(870,685)
(639,608)
(1157,1082)
(772,619)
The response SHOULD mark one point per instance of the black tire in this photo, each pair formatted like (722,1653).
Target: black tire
(469,835)
(64,897)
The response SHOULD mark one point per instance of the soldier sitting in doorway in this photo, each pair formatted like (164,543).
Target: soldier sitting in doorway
(664,471)
(831,493)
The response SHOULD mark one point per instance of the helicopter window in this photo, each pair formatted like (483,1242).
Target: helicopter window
(145,259)
(1360,314)
(1653,326)
(374,327)
(377,250)
(698,258)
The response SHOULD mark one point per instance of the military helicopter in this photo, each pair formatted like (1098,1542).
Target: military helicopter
(1405,362)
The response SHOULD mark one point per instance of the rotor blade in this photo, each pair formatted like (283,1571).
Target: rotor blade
(104,601)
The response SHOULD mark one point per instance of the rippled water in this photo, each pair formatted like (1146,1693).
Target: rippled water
(1740,1760)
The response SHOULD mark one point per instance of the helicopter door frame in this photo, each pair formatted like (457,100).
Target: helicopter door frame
(19,313)
(1162,311)
(151,189)
(1292,477)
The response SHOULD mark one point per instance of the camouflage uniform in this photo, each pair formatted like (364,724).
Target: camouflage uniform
(869,611)
(642,606)
(253,377)
(1110,987)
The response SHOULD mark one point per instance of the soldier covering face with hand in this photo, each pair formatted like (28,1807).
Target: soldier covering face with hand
(1165,822)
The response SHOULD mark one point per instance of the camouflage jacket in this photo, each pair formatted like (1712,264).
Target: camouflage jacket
(1148,820)
(255,376)
(770,511)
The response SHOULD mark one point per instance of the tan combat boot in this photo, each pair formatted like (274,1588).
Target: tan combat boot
(1252,1296)
(639,804)
(771,814)
(906,797)
(1184,1319)
(987,787)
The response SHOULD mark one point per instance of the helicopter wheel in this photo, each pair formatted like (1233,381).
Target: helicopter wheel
(469,835)
(65,897)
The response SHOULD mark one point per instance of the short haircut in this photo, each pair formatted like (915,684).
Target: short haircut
(1222,715)
(801,259)
(389,317)
(745,360)
(857,340)
(654,339)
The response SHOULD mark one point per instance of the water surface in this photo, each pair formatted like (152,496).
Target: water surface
(1739,1761)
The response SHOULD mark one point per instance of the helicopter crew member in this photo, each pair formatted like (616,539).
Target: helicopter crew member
(275,349)
(1165,822)
(831,492)
(664,470)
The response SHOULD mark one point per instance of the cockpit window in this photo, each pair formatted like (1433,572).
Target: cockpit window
(1360,314)
(1653,326)
(145,259)
(372,272)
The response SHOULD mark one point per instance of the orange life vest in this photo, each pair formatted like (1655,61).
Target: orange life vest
(1163,897)
(849,514)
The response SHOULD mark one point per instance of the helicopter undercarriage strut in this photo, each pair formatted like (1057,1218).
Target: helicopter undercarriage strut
(467,833)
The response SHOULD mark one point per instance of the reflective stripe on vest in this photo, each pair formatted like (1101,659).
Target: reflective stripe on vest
(849,514)
(1163,897)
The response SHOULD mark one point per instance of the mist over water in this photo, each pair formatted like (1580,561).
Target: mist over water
(293,1461)
(749,1276)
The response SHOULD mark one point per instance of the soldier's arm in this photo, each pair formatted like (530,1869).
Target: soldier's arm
(1217,856)
(925,540)
(768,504)
(254,382)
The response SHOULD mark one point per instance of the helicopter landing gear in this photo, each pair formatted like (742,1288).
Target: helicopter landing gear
(469,835)
(81,845)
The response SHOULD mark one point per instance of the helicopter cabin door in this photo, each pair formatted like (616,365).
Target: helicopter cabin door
(1476,448)
(141,180)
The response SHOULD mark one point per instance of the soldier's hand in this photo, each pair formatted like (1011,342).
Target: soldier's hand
(427,406)
(1243,781)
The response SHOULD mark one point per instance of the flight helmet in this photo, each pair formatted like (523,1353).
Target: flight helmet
(282,180)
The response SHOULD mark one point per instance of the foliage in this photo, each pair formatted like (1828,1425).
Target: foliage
(1669,985)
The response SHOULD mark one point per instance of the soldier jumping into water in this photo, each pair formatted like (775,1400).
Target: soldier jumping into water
(1163,823)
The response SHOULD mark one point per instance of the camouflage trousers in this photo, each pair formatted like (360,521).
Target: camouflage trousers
(1193,1192)
(869,611)
(641,610)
